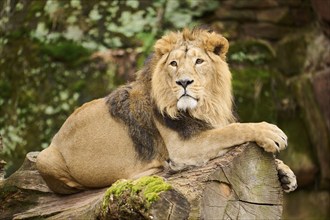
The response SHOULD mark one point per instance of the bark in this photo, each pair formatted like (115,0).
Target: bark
(242,184)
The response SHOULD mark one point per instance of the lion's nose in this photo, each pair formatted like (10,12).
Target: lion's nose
(184,83)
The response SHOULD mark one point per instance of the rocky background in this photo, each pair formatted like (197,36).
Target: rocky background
(57,54)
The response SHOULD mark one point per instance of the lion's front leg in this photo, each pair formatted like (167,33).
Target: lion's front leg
(266,135)
(212,143)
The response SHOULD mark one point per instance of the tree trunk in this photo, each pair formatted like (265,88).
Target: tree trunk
(242,184)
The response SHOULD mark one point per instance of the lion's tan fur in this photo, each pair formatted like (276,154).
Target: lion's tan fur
(139,127)
(83,153)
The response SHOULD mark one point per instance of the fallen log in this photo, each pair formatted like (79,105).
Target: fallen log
(242,184)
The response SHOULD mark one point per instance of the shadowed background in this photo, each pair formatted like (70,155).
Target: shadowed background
(55,55)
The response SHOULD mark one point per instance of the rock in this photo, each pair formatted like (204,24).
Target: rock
(238,15)
(318,52)
(292,3)
(321,88)
(298,17)
(321,7)
(273,15)
(316,126)
(266,30)
(229,29)
(251,4)
(291,54)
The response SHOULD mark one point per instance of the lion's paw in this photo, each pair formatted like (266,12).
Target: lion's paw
(286,176)
(270,137)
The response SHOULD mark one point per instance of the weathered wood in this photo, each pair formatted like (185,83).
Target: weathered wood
(242,184)
(25,195)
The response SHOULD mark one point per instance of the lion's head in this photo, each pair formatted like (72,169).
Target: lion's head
(190,74)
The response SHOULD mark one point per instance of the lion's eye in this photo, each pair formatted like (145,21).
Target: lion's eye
(174,63)
(199,61)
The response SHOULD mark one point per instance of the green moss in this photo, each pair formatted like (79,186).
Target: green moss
(118,188)
(127,196)
(244,80)
(291,54)
(151,186)
(254,94)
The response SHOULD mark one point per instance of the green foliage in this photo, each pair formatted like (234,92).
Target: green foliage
(182,13)
(39,91)
(251,52)
(65,51)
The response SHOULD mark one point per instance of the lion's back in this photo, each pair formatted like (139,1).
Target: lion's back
(96,148)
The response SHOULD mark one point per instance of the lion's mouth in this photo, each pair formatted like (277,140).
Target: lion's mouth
(186,102)
(187,95)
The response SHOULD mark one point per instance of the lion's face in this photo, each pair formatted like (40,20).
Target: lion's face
(191,75)
(187,70)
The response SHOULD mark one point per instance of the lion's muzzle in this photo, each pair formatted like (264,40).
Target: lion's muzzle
(186,100)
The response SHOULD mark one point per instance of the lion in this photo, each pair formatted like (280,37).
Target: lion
(178,113)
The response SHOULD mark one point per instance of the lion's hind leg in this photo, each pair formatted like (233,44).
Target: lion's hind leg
(286,176)
(52,168)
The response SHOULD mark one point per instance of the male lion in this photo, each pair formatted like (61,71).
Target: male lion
(177,113)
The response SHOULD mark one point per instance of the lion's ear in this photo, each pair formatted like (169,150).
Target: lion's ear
(165,44)
(217,44)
